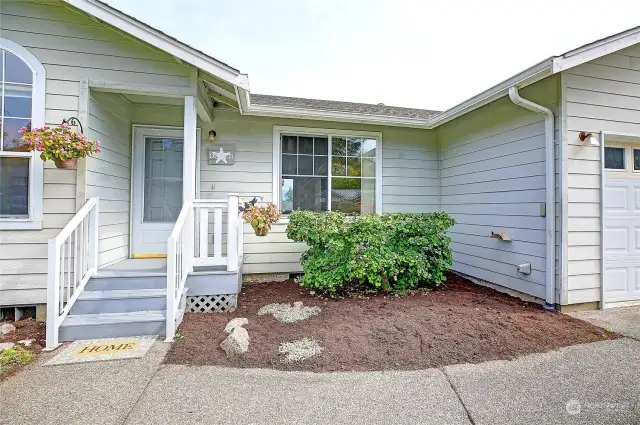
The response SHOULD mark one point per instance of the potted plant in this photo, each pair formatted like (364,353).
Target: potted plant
(261,217)
(60,144)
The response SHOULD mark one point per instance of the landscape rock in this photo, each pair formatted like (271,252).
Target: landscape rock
(7,328)
(26,342)
(285,313)
(5,345)
(299,350)
(237,322)
(237,342)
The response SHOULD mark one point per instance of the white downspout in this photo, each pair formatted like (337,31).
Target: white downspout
(549,130)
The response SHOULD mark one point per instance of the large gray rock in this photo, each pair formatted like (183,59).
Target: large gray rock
(237,342)
(237,322)
(7,328)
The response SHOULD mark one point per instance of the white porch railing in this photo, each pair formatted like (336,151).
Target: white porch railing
(188,234)
(72,260)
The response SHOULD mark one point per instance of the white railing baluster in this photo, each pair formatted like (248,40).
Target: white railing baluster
(72,260)
(217,233)
(204,232)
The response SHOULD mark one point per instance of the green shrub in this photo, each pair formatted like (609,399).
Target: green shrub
(391,251)
(15,356)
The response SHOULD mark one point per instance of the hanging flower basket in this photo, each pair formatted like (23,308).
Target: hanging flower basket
(60,144)
(66,163)
(261,218)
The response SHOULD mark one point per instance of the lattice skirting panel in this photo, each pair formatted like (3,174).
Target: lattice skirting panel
(212,303)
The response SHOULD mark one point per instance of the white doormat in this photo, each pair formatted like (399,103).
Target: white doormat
(93,350)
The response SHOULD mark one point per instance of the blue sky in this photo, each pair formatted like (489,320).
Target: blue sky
(424,54)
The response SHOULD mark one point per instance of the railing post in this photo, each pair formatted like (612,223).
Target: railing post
(53,294)
(93,252)
(171,289)
(232,236)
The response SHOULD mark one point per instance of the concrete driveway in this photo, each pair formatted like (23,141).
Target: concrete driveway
(624,320)
(585,384)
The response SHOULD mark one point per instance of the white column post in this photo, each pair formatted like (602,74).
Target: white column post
(189,174)
(53,294)
(170,329)
(232,236)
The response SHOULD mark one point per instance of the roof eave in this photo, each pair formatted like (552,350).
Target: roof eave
(527,77)
(163,42)
(313,114)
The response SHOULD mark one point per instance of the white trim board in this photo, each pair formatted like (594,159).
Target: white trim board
(276,169)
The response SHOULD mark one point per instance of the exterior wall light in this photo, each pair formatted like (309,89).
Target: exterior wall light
(588,139)
(212,135)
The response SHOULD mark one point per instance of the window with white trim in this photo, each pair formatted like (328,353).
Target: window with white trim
(21,106)
(325,172)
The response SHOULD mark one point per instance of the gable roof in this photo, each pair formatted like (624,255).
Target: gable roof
(161,40)
(280,106)
(379,109)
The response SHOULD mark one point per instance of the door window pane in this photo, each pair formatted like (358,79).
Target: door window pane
(162,179)
(321,146)
(636,159)
(320,165)
(614,158)
(305,165)
(14,187)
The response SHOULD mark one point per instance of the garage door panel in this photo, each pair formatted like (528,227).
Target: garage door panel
(616,278)
(616,200)
(617,239)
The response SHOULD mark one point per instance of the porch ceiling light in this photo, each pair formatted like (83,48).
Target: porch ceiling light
(588,139)
(212,135)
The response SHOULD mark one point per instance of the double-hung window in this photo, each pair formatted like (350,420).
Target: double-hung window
(21,106)
(325,171)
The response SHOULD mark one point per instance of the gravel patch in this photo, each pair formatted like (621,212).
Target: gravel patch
(286,313)
(302,349)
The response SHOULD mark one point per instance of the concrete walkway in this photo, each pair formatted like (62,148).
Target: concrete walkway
(586,384)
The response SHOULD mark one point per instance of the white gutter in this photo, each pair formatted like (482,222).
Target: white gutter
(550,186)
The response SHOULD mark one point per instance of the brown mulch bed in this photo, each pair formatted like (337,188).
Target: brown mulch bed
(459,322)
(25,329)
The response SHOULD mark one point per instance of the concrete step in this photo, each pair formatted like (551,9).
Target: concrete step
(118,283)
(112,325)
(120,301)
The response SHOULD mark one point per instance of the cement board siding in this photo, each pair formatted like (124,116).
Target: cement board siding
(409,174)
(493,177)
(109,176)
(602,95)
(71,47)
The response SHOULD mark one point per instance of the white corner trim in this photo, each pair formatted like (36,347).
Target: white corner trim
(161,41)
(36,167)
(278,130)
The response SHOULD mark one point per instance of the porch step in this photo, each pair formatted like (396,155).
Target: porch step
(112,325)
(117,283)
(120,301)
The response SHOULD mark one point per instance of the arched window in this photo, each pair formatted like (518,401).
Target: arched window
(22,79)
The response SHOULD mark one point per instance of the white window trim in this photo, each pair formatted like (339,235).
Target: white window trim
(313,131)
(36,169)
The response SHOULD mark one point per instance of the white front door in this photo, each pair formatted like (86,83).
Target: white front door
(157,188)
(622,226)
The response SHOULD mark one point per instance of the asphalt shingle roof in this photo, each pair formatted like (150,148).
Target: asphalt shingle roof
(336,106)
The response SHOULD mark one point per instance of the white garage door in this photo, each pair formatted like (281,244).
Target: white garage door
(621,238)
